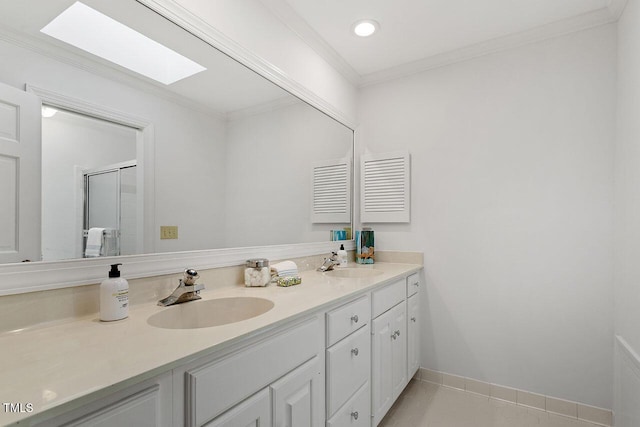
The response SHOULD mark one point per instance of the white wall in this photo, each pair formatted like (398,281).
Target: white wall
(269,163)
(627,231)
(254,27)
(512,188)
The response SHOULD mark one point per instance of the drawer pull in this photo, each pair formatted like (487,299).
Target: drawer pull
(398,332)
(354,318)
(394,336)
(354,351)
(416,284)
(354,414)
(413,319)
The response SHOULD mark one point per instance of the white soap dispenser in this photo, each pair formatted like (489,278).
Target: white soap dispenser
(342,256)
(114,296)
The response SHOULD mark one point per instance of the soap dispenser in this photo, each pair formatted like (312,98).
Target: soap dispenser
(114,296)
(342,256)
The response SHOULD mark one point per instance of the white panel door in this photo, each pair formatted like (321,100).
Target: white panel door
(399,349)
(297,397)
(20,135)
(381,360)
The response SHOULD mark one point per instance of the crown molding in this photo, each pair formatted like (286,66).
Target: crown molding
(289,17)
(283,11)
(176,13)
(555,29)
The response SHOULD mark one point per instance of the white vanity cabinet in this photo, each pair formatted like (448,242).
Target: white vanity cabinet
(147,404)
(395,354)
(348,360)
(343,365)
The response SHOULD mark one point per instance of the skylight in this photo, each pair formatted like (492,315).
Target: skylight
(100,35)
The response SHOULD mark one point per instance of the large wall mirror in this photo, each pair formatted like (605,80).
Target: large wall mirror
(154,138)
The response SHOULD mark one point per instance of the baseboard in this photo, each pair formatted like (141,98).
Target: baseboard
(566,408)
(626,384)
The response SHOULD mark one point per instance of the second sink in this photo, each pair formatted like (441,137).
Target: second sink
(213,312)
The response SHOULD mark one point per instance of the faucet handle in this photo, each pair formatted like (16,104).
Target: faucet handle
(190,277)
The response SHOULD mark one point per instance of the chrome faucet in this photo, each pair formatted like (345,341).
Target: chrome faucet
(330,262)
(187,290)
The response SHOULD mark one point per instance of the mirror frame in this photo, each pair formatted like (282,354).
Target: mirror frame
(47,275)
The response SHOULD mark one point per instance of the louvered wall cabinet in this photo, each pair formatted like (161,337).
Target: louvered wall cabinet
(385,187)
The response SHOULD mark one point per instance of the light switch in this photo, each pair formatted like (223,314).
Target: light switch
(168,232)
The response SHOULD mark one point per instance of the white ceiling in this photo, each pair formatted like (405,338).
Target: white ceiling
(413,31)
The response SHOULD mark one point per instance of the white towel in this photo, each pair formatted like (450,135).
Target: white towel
(94,242)
(285,268)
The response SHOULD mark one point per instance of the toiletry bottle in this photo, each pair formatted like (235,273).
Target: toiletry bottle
(342,256)
(114,296)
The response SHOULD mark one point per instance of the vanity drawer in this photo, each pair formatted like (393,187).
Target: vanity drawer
(356,412)
(385,298)
(348,367)
(346,319)
(413,284)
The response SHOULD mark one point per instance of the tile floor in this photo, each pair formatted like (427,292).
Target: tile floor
(424,404)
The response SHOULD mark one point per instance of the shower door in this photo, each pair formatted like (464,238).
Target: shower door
(110,202)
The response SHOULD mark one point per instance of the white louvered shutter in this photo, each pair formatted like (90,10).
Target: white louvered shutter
(385,192)
(331,192)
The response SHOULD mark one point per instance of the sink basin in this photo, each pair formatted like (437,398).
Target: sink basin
(213,312)
(353,273)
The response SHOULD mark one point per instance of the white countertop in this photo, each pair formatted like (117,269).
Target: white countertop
(50,366)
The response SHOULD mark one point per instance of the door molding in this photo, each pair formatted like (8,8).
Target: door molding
(145,142)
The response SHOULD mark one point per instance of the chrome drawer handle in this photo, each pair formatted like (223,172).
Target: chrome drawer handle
(354,318)
(413,319)
(394,336)
(354,351)
(398,333)
(354,414)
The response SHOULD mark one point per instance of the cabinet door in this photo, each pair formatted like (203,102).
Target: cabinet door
(413,335)
(255,411)
(298,396)
(399,349)
(381,359)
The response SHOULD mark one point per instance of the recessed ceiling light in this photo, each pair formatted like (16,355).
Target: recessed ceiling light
(365,27)
(100,35)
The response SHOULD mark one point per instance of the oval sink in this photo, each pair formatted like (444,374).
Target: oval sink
(213,312)
(353,273)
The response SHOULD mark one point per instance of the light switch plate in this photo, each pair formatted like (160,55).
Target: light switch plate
(168,232)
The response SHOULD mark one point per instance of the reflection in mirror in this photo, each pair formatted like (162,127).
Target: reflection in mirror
(95,162)
(224,155)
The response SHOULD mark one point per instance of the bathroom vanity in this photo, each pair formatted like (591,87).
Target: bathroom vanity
(327,351)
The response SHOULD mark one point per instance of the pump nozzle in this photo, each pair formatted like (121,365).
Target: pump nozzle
(114,270)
